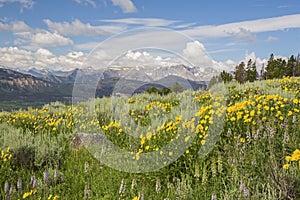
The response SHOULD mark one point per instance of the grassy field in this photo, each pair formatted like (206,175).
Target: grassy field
(241,142)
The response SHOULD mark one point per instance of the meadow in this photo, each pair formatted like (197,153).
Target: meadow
(241,143)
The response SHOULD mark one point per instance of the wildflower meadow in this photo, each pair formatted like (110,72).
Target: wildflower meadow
(254,154)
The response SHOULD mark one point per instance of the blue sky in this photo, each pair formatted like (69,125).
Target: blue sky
(61,34)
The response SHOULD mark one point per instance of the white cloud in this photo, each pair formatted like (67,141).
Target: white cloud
(126,5)
(14,57)
(142,21)
(244,34)
(87,2)
(87,46)
(42,58)
(144,59)
(49,39)
(20,41)
(4,27)
(77,28)
(44,52)
(271,39)
(283,6)
(183,26)
(24,3)
(15,27)
(193,54)
(196,54)
(254,26)
(34,37)
(20,27)
(230,64)
(75,54)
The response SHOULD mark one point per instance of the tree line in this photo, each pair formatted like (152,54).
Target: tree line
(276,68)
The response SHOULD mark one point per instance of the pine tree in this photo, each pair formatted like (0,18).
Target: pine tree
(297,70)
(226,77)
(275,68)
(251,72)
(214,80)
(291,66)
(240,73)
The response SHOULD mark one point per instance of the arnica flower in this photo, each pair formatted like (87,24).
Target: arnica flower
(286,166)
(55,197)
(242,140)
(288,158)
(296,155)
(28,194)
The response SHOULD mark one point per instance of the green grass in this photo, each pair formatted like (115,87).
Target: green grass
(245,163)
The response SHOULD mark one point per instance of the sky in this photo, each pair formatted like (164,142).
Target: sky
(68,34)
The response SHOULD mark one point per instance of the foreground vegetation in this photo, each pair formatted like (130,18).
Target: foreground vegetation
(256,155)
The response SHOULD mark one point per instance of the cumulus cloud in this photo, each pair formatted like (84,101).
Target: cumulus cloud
(75,54)
(229,64)
(144,59)
(15,27)
(14,57)
(42,58)
(196,54)
(193,54)
(126,5)
(77,28)
(49,39)
(44,52)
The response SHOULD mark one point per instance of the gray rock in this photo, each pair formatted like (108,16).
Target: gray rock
(87,139)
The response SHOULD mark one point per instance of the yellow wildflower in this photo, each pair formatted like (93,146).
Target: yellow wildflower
(288,158)
(296,155)
(286,166)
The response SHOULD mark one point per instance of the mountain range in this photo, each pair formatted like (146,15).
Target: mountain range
(41,85)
